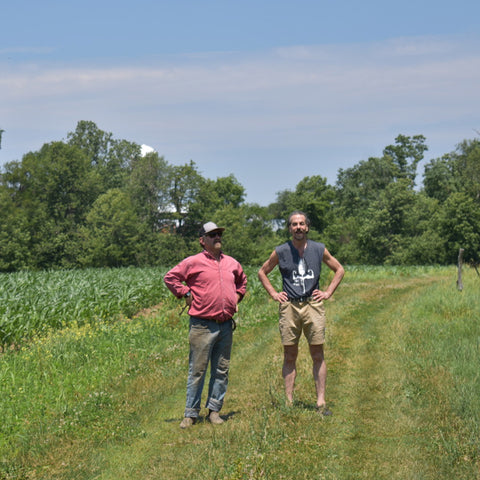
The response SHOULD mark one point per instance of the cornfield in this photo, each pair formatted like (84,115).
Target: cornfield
(32,303)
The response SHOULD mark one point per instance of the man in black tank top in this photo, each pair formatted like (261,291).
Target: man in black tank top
(301,301)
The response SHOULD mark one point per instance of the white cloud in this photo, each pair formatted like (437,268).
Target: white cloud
(336,102)
(145,149)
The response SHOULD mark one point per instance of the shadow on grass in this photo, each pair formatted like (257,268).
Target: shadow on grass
(203,418)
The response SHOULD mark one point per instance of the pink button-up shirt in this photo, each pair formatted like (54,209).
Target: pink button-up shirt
(214,284)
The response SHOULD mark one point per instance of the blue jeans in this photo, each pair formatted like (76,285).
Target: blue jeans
(210,342)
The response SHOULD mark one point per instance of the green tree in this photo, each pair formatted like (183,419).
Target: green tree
(341,238)
(111,236)
(111,158)
(148,185)
(184,186)
(467,167)
(53,189)
(14,235)
(229,191)
(94,142)
(212,196)
(439,178)
(386,224)
(313,196)
(248,236)
(457,171)
(357,187)
(459,226)
(419,242)
(60,177)
(406,154)
(167,249)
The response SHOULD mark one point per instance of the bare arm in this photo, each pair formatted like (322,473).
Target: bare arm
(336,267)
(266,268)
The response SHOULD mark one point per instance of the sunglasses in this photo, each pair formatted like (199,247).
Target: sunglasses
(214,234)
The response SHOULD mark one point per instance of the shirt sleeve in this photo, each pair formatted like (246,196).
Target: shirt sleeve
(175,278)
(241,281)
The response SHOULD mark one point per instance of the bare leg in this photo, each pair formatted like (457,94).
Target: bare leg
(289,370)
(319,372)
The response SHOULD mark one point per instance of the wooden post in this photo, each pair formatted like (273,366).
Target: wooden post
(460,263)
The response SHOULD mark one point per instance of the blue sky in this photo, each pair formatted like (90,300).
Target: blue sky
(270,91)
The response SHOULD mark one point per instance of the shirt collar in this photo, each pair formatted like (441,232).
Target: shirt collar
(209,255)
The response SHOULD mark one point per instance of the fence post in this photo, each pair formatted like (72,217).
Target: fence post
(460,262)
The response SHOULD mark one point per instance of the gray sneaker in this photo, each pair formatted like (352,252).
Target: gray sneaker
(214,418)
(187,422)
(324,410)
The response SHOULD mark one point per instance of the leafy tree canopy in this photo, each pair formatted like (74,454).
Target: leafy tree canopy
(94,200)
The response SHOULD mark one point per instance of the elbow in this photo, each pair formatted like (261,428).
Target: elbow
(262,272)
(261,275)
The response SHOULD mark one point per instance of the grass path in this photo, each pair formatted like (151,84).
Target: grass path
(380,429)
(379,434)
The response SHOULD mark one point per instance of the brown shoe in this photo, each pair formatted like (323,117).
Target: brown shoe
(187,422)
(214,418)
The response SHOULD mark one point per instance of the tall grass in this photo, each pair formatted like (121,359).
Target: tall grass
(76,383)
(444,339)
(33,303)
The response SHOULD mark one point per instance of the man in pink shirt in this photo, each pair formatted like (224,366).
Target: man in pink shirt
(212,284)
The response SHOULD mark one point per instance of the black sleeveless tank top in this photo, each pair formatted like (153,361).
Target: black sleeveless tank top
(300,275)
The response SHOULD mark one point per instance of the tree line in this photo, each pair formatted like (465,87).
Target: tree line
(96,201)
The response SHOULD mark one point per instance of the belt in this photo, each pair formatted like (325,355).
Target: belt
(300,299)
(213,320)
(234,324)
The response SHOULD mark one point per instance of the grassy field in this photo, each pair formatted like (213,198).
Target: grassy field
(102,398)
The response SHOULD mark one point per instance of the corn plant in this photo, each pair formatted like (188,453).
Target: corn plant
(33,303)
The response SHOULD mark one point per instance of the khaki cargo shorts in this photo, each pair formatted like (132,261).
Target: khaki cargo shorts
(307,317)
